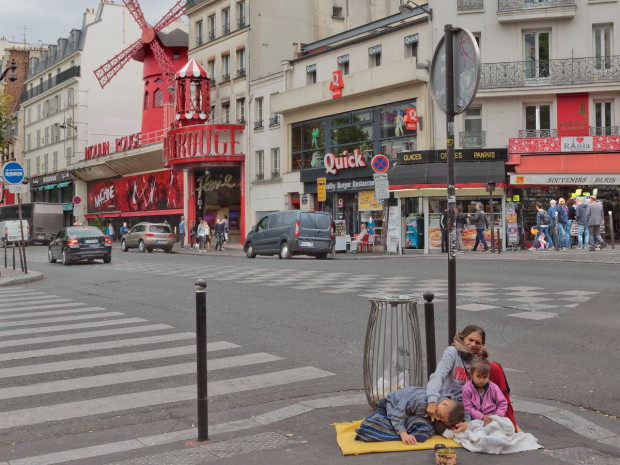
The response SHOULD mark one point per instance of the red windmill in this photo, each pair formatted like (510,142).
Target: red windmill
(109,69)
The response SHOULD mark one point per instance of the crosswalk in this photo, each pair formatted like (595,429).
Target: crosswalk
(62,360)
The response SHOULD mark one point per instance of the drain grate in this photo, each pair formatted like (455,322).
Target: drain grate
(584,456)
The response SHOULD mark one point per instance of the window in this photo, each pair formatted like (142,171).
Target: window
(45,163)
(374,56)
(158,98)
(68,155)
(311,74)
(537,120)
(241,111)
(198,33)
(28,115)
(603,115)
(38,138)
(536,52)
(226,112)
(226,21)
(259,110)
(260,164)
(211,20)
(411,46)
(211,68)
(146,100)
(602,47)
(275,162)
(38,165)
(343,64)
(241,62)
(28,168)
(337,12)
(241,14)
(38,111)
(55,161)
(473,136)
(69,97)
(226,67)
(28,142)
(47,135)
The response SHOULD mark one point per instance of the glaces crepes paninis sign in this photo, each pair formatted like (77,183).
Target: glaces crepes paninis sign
(333,163)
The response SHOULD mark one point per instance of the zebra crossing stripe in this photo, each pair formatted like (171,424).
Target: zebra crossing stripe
(80,409)
(51,312)
(52,367)
(12,289)
(133,376)
(37,307)
(84,335)
(19,309)
(48,329)
(5,302)
(25,292)
(95,346)
(58,319)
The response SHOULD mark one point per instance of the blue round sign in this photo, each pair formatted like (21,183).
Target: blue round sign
(380,163)
(13,172)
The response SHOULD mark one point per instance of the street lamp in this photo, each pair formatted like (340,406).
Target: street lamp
(12,76)
(406,8)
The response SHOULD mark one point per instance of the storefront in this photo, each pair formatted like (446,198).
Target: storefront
(418,182)
(54,188)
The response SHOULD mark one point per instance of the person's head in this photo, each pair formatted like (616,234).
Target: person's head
(363,225)
(478,206)
(593,198)
(450,412)
(479,372)
(562,201)
(225,217)
(124,223)
(538,206)
(552,202)
(459,209)
(578,201)
(473,337)
(182,218)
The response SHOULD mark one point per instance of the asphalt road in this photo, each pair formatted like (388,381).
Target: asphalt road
(286,329)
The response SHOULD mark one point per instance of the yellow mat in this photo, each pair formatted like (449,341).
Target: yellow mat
(345,435)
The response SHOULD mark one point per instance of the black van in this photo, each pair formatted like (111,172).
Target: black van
(291,232)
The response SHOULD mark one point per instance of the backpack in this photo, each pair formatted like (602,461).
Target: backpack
(545,220)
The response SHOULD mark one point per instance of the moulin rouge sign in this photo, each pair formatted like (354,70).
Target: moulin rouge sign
(208,140)
(120,145)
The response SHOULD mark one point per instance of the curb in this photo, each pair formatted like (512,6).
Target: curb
(30,277)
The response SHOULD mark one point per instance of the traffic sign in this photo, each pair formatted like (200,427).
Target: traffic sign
(18,188)
(382,186)
(380,163)
(13,172)
(77,200)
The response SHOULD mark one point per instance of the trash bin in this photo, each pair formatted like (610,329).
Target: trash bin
(393,347)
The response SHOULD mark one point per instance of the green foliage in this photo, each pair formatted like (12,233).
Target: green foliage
(6,118)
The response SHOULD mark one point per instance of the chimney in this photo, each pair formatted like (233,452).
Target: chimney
(89,17)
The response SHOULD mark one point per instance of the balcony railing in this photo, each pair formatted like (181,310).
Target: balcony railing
(212,82)
(275,174)
(211,35)
(274,121)
(260,176)
(241,23)
(241,121)
(533,133)
(225,77)
(226,29)
(565,71)
(241,72)
(604,130)
(472,139)
(198,41)
(74,71)
(519,5)
(258,124)
(466,5)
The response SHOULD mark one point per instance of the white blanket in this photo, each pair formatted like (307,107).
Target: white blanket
(498,437)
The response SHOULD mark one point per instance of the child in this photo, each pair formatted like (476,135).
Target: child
(401,415)
(481,397)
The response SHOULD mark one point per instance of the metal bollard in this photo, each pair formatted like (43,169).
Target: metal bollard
(13,256)
(499,242)
(5,263)
(611,230)
(429,329)
(201,359)
(21,259)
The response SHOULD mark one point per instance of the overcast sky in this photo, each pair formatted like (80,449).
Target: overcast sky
(48,20)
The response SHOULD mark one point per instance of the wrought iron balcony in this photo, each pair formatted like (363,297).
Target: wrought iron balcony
(241,72)
(604,130)
(519,5)
(472,139)
(258,124)
(211,35)
(535,133)
(212,82)
(564,71)
(225,77)
(275,174)
(198,41)
(260,176)
(466,5)
(67,74)
(226,29)
(274,121)
(241,23)
(241,121)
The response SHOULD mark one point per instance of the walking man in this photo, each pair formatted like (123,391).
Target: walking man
(582,220)
(562,224)
(220,229)
(182,231)
(552,214)
(482,222)
(594,213)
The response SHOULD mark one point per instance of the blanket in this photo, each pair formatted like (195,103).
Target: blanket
(378,427)
(498,437)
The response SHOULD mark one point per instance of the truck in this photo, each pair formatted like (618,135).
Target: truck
(45,220)
(11,232)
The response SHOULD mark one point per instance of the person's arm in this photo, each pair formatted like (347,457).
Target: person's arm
(469,391)
(396,413)
(500,401)
(435,382)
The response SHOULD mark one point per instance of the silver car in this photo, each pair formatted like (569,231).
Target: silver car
(148,236)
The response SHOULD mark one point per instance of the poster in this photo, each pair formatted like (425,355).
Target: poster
(512,228)
(393,232)
(368,201)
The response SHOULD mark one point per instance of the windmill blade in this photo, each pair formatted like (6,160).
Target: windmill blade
(111,67)
(175,13)
(134,8)
(164,61)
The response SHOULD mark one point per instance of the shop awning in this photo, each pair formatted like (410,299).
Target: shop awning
(63,184)
(434,175)
(50,186)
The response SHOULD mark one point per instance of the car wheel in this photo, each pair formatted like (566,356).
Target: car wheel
(149,249)
(107,258)
(285,253)
(321,256)
(249,250)
(65,258)
(168,250)
(141,247)
(124,247)
(50,256)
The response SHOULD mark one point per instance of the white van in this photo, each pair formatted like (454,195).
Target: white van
(10,231)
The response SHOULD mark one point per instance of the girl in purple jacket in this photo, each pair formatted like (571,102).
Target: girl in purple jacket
(481,397)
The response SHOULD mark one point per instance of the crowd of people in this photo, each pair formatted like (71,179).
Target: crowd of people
(576,223)
(201,234)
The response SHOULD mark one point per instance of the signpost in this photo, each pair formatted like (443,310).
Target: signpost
(380,163)
(13,173)
(382,186)
(454,82)
(320,189)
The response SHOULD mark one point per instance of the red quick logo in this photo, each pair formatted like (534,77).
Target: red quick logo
(333,163)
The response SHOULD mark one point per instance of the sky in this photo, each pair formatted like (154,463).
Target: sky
(48,20)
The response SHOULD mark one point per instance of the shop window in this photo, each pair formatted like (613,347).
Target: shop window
(314,135)
(158,98)
(296,162)
(602,47)
(536,52)
(391,118)
(351,135)
(341,120)
(296,138)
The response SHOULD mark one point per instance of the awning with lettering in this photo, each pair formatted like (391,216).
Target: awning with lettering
(435,175)
(566,163)
(563,179)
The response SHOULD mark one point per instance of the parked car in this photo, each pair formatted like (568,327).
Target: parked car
(289,233)
(11,232)
(148,236)
(79,243)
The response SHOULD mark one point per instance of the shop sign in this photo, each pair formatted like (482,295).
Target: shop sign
(367,200)
(205,140)
(564,179)
(336,84)
(411,119)
(54,178)
(333,163)
(374,50)
(411,39)
(350,185)
(439,156)
(577,144)
(209,182)
(320,189)
(311,68)
(121,144)
(343,59)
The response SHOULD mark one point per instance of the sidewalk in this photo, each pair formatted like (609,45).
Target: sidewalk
(8,276)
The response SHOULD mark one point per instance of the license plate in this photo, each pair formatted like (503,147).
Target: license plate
(91,241)
(306,244)
(161,242)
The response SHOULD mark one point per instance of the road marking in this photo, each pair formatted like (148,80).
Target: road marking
(24,293)
(48,329)
(59,319)
(135,375)
(71,410)
(4,302)
(95,346)
(84,335)
(38,307)
(51,312)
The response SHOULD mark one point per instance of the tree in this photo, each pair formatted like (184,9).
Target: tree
(6,119)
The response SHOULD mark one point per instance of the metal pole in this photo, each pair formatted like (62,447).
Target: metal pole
(21,228)
(13,255)
(21,262)
(201,359)
(429,328)
(611,229)
(4,243)
(451,182)
(492,221)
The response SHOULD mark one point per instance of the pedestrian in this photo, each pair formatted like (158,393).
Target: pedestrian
(542,225)
(225,230)
(110,231)
(124,228)
(572,217)
(443,226)
(583,235)
(201,231)
(192,233)
(552,215)
(182,231)
(461,221)
(482,222)
(608,206)
(562,223)
(220,229)
(208,236)
(481,397)
(594,214)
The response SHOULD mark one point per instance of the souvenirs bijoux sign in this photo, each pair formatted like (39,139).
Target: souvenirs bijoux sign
(345,161)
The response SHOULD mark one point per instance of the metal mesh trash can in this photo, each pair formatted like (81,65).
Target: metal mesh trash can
(393,348)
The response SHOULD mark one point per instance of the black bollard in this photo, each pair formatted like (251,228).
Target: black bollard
(21,259)
(201,359)
(429,327)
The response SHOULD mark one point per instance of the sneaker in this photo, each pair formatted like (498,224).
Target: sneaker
(460,252)
(532,249)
